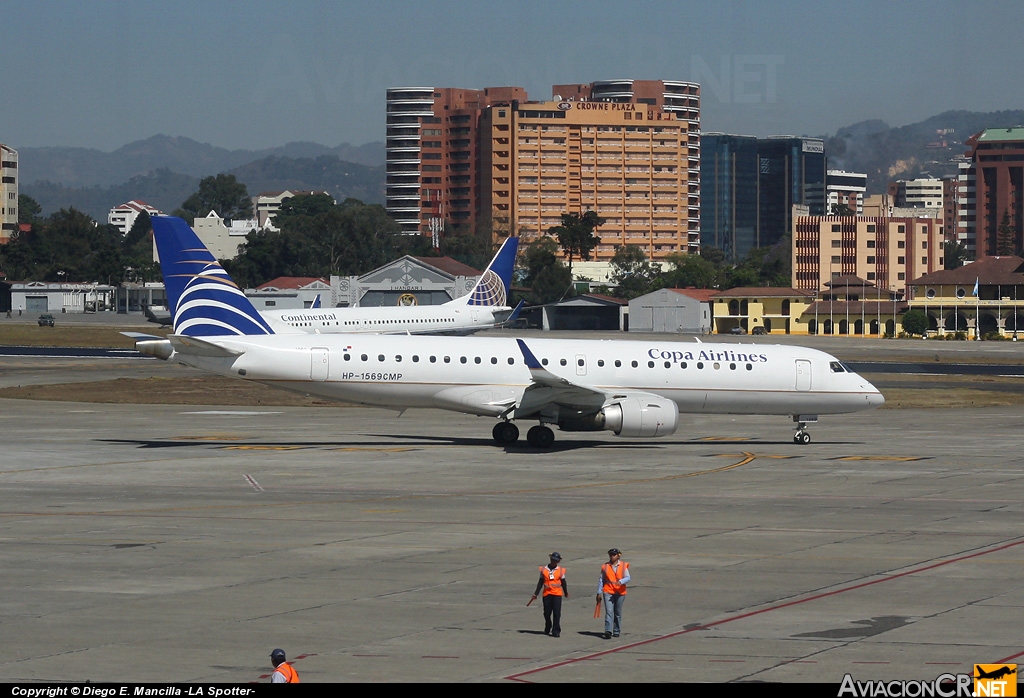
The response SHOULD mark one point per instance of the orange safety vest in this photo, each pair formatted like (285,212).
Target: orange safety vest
(552,580)
(288,672)
(611,578)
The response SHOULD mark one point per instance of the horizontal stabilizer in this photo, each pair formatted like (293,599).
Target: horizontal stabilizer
(141,336)
(200,347)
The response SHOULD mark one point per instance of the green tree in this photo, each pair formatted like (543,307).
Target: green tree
(954,254)
(1006,237)
(915,322)
(302,205)
(691,270)
(137,250)
(66,246)
(576,235)
(548,279)
(221,193)
(633,274)
(28,209)
(344,239)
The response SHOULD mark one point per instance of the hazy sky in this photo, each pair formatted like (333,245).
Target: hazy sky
(253,74)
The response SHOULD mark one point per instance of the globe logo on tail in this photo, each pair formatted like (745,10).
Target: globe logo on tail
(490,290)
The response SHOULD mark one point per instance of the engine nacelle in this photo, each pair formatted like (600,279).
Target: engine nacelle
(635,416)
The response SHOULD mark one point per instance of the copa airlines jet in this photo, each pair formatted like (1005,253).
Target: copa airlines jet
(631,388)
(485,306)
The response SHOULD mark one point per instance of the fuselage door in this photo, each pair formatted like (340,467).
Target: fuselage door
(803,374)
(319,363)
(581,365)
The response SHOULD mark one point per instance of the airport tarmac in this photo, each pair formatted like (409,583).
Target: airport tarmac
(178,543)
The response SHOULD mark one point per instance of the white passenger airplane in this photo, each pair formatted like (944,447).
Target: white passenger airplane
(631,388)
(483,307)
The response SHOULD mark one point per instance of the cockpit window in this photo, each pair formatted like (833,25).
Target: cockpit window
(837,367)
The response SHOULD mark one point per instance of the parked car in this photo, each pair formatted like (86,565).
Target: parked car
(46,320)
(737,330)
(758,330)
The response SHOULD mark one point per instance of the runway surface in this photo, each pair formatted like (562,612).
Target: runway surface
(170,543)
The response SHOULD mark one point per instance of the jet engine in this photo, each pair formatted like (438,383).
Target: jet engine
(635,416)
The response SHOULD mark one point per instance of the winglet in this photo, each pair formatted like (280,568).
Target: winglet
(203,299)
(528,357)
(493,288)
(515,313)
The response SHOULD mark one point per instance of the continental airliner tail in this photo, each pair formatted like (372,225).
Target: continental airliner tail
(494,286)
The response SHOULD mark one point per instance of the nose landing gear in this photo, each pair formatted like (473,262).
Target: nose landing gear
(802,420)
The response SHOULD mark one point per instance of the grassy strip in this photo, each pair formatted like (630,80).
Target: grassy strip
(21,335)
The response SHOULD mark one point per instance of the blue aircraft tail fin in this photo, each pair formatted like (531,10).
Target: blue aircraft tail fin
(203,299)
(494,286)
(316,302)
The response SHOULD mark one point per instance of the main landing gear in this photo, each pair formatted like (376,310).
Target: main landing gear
(507,433)
(802,420)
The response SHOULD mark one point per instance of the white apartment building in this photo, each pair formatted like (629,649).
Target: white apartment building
(8,192)
(123,216)
(919,193)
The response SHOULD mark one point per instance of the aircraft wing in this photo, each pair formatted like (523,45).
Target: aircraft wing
(548,389)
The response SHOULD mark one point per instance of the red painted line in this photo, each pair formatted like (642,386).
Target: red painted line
(741,616)
(436,656)
(1005,661)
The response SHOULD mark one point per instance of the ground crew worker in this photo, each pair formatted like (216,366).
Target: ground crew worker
(283,671)
(611,588)
(552,580)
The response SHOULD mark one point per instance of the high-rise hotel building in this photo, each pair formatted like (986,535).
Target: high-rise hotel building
(628,149)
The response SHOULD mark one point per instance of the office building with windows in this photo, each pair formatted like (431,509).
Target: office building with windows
(475,160)
(991,187)
(751,185)
(885,251)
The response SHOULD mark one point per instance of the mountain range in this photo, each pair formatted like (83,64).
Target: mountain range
(164,170)
(928,148)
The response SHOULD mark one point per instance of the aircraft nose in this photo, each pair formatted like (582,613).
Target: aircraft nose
(875,399)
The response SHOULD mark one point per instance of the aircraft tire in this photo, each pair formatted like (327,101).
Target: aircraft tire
(505,433)
(540,436)
(802,438)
